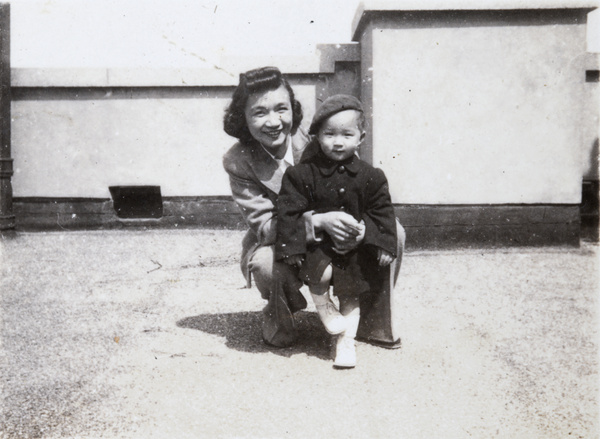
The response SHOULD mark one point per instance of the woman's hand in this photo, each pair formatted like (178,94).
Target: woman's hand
(342,228)
(295,260)
(385,258)
(361,231)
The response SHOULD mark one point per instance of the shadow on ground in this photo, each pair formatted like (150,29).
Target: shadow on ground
(242,332)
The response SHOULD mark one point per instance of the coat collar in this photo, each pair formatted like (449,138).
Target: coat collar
(327,166)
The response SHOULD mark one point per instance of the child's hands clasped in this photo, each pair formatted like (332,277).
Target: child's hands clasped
(295,260)
(385,258)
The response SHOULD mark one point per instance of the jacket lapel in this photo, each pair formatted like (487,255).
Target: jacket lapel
(266,169)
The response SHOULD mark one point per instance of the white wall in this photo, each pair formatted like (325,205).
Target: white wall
(77,148)
(476,115)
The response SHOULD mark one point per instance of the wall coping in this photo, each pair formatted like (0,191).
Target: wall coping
(367,7)
(99,77)
(226,74)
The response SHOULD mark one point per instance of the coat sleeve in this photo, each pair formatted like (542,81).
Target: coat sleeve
(292,206)
(380,218)
(255,205)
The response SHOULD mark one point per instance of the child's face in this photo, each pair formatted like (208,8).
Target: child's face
(340,136)
(269,117)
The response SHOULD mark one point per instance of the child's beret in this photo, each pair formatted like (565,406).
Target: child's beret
(332,105)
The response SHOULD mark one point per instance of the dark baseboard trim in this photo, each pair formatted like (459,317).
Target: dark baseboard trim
(443,226)
(427,226)
(40,213)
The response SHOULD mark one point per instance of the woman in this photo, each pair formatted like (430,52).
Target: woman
(265,116)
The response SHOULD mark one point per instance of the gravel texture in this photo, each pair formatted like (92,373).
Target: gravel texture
(151,334)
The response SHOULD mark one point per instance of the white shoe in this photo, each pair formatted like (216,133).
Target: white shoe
(334,322)
(345,353)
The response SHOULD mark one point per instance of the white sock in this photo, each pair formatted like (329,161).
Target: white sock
(352,321)
(320,299)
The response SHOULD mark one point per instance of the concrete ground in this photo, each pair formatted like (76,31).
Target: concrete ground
(150,334)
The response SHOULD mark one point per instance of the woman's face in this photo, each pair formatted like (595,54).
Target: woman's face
(269,117)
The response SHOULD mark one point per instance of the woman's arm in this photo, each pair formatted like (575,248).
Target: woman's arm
(258,210)
(256,207)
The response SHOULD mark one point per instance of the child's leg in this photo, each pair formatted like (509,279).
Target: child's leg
(345,351)
(329,315)
(322,287)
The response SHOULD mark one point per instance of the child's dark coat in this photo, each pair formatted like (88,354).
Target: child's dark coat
(352,186)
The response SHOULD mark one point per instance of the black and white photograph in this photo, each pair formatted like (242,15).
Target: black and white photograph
(270,219)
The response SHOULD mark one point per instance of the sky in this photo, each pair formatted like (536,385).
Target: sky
(179,33)
(170,33)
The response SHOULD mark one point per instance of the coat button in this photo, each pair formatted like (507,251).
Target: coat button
(342,191)
(343,208)
(342,169)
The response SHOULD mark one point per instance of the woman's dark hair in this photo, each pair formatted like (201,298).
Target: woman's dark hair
(256,81)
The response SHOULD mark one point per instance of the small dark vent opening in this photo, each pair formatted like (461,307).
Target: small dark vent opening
(592,76)
(137,201)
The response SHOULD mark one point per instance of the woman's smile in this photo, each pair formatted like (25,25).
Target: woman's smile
(273,133)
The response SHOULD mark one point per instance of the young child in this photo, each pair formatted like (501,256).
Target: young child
(334,179)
